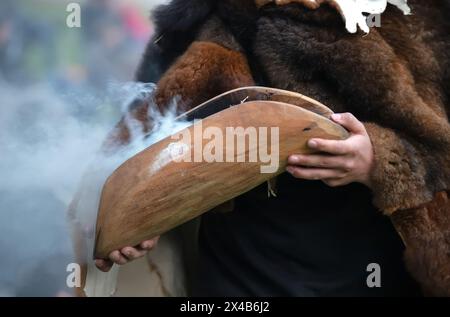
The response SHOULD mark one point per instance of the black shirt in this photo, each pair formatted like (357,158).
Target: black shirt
(310,240)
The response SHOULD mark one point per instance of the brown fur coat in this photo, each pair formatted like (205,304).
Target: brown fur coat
(396,80)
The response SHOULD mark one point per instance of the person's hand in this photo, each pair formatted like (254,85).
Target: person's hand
(339,162)
(126,255)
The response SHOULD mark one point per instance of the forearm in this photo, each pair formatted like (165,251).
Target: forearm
(405,174)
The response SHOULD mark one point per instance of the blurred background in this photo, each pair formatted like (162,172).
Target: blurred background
(61,90)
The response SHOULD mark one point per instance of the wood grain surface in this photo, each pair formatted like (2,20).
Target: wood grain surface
(151,194)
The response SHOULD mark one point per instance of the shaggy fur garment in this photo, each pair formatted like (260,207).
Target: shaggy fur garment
(396,80)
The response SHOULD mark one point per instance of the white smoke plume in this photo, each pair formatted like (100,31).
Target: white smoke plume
(47,152)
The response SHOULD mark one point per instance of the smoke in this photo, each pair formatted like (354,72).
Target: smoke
(49,146)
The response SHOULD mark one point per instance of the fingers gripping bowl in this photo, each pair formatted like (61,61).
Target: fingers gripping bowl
(180,178)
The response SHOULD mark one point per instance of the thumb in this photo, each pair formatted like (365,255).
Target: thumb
(349,121)
(103,265)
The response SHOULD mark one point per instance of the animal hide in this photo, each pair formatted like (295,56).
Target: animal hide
(353,11)
(396,80)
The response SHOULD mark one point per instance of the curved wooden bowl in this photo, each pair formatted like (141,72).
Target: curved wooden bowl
(150,194)
(255,93)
